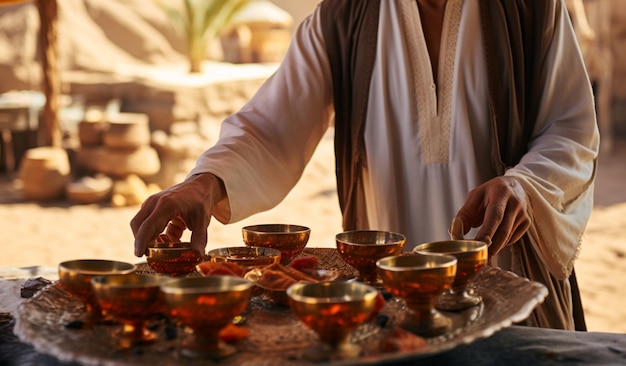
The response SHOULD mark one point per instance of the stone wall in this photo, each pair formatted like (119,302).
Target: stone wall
(96,43)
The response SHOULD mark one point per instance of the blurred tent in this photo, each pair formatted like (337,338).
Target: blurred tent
(45,169)
(50,130)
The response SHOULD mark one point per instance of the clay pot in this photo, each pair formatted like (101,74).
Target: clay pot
(44,173)
(143,161)
(90,189)
(127,131)
(91,133)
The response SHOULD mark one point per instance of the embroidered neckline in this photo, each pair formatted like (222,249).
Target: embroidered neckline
(434,107)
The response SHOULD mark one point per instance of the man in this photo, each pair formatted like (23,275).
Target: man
(443,109)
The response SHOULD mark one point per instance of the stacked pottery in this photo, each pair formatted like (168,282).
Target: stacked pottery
(121,151)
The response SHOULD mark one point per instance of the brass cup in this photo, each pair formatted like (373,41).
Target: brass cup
(419,279)
(289,239)
(333,310)
(131,299)
(362,248)
(206,305)
(75,277)
(472,256)
(172,258)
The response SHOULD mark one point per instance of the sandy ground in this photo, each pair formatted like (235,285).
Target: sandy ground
(46,234)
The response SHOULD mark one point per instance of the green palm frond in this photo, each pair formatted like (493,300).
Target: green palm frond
(200,22)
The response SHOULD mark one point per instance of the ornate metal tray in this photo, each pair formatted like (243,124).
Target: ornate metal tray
(276,336)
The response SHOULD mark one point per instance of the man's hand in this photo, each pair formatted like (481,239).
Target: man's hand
(186,205)
(173,231)
(499,205)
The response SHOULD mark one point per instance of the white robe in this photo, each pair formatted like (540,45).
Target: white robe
(426,147)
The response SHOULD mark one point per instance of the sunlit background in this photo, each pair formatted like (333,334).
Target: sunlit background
(71,69)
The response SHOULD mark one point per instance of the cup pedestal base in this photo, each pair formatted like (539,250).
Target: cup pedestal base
(430,325)
(458,300)
(210,349)
(323,352)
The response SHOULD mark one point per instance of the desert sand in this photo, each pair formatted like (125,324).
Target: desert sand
(46,234)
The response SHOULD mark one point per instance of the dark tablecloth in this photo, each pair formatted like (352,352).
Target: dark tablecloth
(512,346)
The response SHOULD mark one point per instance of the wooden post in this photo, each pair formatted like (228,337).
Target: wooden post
(50,131)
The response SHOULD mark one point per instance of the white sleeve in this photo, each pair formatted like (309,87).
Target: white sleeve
(559,169)
(264,147)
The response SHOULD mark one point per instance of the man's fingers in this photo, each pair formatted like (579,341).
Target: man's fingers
(178,222)
(456,229)
(518,233)
(147,232)
(175,228)
(199,241)
(187,205)
(147,207)
(198,225)
(491,225)
(510,231)
(498,208)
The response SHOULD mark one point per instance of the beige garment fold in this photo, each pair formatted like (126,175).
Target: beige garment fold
(556,310)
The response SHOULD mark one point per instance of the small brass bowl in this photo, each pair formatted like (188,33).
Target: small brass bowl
(333,310)
(289,239)
(75,276)
(172,258)
(246,257)
(472,256)
(420,279)
(131,299)
(362,248)
(206,305)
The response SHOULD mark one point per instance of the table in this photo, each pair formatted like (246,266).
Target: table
(516,345)
(19,111)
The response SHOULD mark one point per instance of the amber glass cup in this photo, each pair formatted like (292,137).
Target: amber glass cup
(419,279)
(333,310)
(289,239)
(206,305)
(472,257)
(132,300)
(75,277)
(172,258)
(362,248)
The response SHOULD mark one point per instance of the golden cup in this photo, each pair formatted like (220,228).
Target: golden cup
(472,256)
(246,257)
(131,299)
(290,240)
(333,310)
(172,258)
(419,279)
(362,248)
(206,305)
(75,277)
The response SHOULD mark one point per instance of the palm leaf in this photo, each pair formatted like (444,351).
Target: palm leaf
(200,22)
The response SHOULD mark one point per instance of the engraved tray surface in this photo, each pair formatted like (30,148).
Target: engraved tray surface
(276,336)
